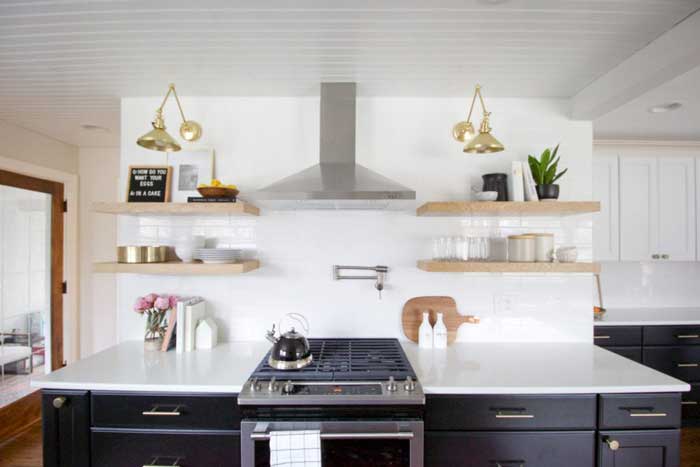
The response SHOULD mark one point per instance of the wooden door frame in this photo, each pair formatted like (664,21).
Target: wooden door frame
(56,191)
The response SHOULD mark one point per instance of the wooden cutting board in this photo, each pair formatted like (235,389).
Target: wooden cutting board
(412,315)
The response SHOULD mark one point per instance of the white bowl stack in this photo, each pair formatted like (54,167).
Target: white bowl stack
(218,255)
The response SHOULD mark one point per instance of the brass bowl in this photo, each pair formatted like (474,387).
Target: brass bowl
(141,254)
(217,192)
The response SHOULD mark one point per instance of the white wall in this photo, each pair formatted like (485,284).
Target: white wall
(259,140)
(634,284)
(99,177)
(28,146)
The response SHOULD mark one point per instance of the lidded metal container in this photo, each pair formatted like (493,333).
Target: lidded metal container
(142,254)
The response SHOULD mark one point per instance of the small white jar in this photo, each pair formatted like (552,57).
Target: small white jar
(544,247)
(521,248)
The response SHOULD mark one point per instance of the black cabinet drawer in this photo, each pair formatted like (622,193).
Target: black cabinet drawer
(509,449)
(184,449)
(523,412)
(648,448)
(691,402)
(633,353)
(682,362)
(672,335)
(606,336)
(158,411)
(639,411)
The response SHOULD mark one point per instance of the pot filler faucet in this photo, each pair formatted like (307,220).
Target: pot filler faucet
(378,278)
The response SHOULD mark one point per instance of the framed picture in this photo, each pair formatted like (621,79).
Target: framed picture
(148,183)
(191,167)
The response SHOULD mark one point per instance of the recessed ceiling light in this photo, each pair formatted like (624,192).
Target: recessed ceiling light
(91,127)
(657,109)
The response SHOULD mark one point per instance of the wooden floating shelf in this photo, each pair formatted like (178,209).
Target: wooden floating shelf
(240,208)
(467,266)
(178,268)
(507,208)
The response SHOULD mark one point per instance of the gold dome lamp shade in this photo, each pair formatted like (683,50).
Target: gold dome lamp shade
(482,142)
(158,139)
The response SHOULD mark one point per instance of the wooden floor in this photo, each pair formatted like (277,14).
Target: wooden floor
(25,449)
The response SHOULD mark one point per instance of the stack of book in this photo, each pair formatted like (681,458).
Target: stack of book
(182,324)
(522,185)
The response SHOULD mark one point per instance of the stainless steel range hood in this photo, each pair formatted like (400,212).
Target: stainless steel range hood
(337,182)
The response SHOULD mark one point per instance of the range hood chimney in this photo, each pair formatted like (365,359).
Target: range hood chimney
(336,182)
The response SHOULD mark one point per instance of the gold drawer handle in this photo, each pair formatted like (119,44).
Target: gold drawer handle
(154,412)
(59,402)
(688,336)
(601,337)
(689,403)
(687,365)
(155,463)
(514,415)
(650,414)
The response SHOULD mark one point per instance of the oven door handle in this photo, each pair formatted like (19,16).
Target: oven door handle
(390,435)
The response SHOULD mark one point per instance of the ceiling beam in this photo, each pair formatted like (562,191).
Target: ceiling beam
(671,54)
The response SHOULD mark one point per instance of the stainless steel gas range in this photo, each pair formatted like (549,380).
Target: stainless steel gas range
(361,394)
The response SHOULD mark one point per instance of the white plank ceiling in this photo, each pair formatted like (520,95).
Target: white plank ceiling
(67,63)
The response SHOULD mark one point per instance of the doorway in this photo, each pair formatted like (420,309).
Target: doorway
(31,281)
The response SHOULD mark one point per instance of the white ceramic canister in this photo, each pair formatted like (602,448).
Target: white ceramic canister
(544,247)
(521,248)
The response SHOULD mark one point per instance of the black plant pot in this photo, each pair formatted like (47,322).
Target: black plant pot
(549,192)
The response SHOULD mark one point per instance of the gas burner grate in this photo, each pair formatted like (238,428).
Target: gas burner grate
(346,360)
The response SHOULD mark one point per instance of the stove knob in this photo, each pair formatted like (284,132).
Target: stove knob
(288,387)
(409,385)
(254,385)
(273,386)
(391,385)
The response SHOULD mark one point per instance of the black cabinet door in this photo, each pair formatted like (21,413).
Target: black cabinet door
(608,336)
(126,448)
(66,428)
(648,448)
(509,449)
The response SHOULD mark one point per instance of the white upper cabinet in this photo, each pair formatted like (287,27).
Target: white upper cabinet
(676,220)
(657,208)
(638,208)
(606,223)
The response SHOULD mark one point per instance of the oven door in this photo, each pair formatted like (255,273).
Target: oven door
(355,443)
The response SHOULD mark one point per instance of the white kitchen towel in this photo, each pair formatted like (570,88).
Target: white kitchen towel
(295,448)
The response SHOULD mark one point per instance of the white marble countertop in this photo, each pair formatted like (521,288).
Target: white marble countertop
(513,368)
(650,317)
(463,368)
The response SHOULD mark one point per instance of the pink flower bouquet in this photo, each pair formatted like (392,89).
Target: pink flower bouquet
(155,306)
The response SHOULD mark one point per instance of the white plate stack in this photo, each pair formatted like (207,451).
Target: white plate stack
(218,255)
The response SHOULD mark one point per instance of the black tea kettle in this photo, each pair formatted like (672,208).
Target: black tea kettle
(290,351)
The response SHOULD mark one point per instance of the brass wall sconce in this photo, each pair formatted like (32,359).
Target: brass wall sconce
(158,139)
(480,143)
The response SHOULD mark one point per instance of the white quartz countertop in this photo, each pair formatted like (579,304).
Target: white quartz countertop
(499,368)
(479,368)
(650,317)
(126,367)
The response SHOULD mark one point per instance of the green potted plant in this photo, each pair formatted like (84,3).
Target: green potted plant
(544,172)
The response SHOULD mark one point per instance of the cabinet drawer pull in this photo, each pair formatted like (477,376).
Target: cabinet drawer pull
(519,463)
(601,337)
(155,412)
(613,444)
(648,414)
(59,402)
(158,462)
(687,365)
(689,403)
(688,336)
(514,415)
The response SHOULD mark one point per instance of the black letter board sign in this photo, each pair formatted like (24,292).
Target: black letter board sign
(148,184)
